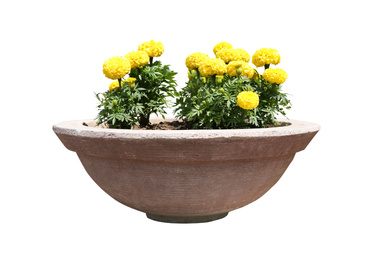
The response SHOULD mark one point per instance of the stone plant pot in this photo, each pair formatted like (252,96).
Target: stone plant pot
(185,176)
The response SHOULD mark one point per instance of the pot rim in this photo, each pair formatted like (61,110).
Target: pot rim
(76,128)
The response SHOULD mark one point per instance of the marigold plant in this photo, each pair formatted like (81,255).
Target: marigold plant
(226,92)
(131,101)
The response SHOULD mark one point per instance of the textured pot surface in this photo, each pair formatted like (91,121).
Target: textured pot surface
(185,175)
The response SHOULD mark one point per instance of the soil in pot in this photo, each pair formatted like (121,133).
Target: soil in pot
(172,125)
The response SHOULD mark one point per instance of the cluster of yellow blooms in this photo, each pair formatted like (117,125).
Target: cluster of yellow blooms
(234,62)
(225,62)
(228,60)
(117,67)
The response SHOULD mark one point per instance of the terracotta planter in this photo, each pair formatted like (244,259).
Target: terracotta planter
(185,175)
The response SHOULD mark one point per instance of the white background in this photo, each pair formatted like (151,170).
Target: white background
(51,64)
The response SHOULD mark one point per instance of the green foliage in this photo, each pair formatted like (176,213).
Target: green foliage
(126,106)
(209,104)
(159,84)
(120,108)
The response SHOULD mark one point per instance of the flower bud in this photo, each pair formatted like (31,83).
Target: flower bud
(221,90)
(203,79)
(115,102)
(131,82)
(238,65)
(219,78)
(192,73)
(203,102)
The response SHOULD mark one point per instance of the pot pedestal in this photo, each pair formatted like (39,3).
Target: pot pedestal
(181,219)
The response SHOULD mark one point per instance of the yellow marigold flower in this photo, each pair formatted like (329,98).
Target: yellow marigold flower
(152,48)
(116,67)
(248,71)
(275,75)
(195,60)
(233,66)
(222,45)
(115,85)
(248,100)
(131,82)
(228,55)
(212,66)
(137,58)
(244,55)
(266,56)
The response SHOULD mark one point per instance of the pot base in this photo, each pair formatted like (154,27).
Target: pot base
(181,219)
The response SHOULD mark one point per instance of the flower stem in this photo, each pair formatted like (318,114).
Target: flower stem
(213,77)
(151,60)
(120,81)
(266,66)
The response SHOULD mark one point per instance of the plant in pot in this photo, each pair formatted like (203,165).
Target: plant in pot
(224,92)
(131,101)
(230,151)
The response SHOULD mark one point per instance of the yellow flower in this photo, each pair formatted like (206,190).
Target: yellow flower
(248,71)
(212,66)
(131,82)
(195,60)
(233,66)
(116,67)
(228,55)
(222,45)
(244,55)
(115,85)
(137,58)
(152,48)
(266,56)
(248,100)
(275,75)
